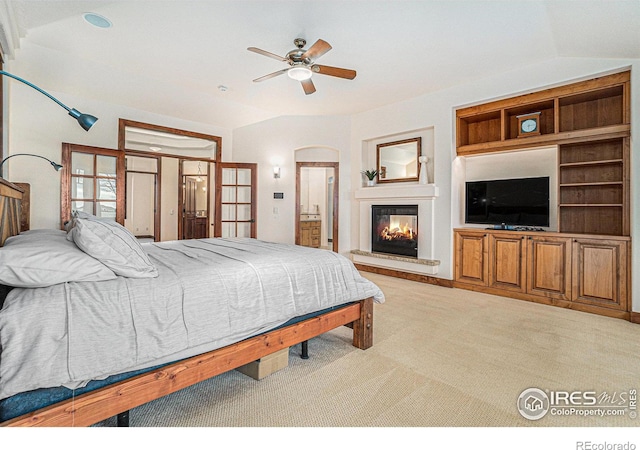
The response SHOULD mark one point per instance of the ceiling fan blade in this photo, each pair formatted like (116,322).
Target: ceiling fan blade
(308,86)
(334,71)
(271,75)
(266,53)
(317,50)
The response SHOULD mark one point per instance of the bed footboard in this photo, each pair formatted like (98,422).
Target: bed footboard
(92,407)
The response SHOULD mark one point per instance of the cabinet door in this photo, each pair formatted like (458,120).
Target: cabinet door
(471,265)
(305,234)
(507,262)
(600,273)
(549,267)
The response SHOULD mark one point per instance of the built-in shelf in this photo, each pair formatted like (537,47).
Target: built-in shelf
(601,183)
(590,163)
(587,205)
(581,110)
(590,122)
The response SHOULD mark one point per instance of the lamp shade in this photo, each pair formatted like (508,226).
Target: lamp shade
(299,73)
(86,121)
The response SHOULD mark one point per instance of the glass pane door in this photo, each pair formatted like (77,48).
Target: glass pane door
(92,182)
(235,200)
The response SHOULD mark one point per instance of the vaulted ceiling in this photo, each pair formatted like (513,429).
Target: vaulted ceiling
(399,49)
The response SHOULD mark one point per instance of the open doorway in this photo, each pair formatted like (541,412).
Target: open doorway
(142,201)
(195,199)
(317,194)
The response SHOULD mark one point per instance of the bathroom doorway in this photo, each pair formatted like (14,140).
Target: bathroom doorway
(317,194)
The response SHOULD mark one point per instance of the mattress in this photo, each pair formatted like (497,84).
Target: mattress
(209,293)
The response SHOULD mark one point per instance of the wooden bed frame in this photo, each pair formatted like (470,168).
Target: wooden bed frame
(92,407)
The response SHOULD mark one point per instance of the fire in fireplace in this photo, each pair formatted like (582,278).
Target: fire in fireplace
(394,229)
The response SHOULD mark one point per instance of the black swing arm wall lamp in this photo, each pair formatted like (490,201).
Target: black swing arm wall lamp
(85,120)
(55,165)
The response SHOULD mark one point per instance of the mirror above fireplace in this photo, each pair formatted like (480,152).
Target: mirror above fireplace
(398,161)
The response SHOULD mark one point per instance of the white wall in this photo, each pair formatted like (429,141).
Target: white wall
(275,142)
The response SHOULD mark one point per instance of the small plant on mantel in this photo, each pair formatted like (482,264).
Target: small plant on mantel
(371,176)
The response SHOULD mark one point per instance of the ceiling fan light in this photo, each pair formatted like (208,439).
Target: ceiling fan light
(299,73)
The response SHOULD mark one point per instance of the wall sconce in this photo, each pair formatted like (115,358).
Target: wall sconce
(276,171)
(85,120)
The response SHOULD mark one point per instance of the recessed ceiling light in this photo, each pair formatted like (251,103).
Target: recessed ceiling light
(97,20)
(155,149)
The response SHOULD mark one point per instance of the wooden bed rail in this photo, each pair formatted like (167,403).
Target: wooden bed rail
(92,407)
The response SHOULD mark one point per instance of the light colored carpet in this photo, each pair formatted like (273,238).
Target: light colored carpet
(441,358)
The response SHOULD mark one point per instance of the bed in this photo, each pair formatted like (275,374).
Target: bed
(176,313)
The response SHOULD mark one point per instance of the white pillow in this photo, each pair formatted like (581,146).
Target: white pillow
(113,245)
(40,258)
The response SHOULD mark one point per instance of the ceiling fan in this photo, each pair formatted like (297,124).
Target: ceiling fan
(302,64)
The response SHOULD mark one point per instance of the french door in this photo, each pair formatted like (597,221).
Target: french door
(92,180)
(235,214)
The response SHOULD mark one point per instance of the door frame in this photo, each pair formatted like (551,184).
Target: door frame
(181,193)
(336,195)
(157,199)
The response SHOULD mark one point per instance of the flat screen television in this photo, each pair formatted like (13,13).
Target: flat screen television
(515,202)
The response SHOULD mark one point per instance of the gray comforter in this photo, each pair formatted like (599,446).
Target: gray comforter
(209,293)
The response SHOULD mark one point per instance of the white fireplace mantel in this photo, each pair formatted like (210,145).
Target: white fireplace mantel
(423,195)
(407,191)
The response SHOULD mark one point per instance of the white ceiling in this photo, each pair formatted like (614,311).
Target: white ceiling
(400,49)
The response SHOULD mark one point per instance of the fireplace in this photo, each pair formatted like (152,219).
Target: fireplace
(394,229)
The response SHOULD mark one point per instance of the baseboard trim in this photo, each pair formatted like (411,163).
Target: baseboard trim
(601,311)
(634,317)
(405,275)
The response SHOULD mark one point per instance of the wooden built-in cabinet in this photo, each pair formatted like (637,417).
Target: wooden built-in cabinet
(310,233)
(588,273)
(586,264)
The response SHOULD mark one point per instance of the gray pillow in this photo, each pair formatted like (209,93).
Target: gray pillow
(113,245)
(41,258)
